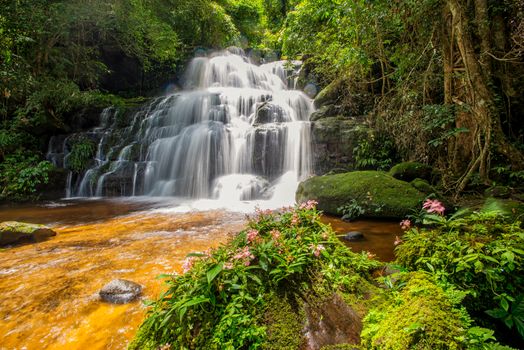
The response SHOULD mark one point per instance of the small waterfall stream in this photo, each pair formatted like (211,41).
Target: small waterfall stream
(235,132)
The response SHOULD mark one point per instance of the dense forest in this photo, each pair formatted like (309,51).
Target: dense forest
(439,81)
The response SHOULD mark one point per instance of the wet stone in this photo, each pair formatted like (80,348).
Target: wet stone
(120,291)
(354,236)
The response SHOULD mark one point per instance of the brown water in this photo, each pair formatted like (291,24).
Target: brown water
(49,289)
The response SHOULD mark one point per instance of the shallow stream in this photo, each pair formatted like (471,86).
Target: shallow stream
(49,289)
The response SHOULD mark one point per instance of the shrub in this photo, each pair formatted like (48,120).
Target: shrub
(220,300)
(481,254)
(81,154)
(20,174)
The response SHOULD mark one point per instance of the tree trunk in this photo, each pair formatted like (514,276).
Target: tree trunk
(481,101)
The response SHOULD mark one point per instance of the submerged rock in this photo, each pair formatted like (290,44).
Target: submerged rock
(353,236)
(379,194)
(120,291)
(14,231)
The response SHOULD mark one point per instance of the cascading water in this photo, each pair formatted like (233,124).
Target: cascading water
(234,133)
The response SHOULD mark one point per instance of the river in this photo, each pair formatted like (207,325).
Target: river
(50,289)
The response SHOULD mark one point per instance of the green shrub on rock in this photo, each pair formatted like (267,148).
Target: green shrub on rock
(481,254)
(222,299)
(381,194)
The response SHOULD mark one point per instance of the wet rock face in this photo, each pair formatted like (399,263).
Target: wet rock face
(332,322)
(120,291)
(16,232)
(333,140)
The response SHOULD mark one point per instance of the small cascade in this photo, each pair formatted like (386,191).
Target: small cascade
(236,132)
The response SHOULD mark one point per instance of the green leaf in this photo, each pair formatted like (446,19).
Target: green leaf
(212,273)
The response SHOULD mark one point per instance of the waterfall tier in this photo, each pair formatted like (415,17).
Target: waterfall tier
(236,132)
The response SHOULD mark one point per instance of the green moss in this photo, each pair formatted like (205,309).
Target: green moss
(285,319)
(82,152)
(409,171)
(372,189)
(422,186)
(421,316)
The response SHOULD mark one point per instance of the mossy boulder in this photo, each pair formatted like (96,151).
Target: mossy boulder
(409,171)
(330,94)
(389,197)
(14,232)
(422,186)
(421,316)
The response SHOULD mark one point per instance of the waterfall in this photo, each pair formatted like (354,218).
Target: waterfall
(236,132)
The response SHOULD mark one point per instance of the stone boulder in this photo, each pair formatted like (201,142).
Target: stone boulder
(353,236)
(120,291)
(15,232)
(409,171)
(381,195)
(333,142)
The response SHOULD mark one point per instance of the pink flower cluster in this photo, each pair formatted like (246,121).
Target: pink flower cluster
(295,219)
(228,266)
(188,264)
(310,204)
(317,249)
(275,234)
(398,240)
(244,254)
(405,224)
(252,235)
(434,206)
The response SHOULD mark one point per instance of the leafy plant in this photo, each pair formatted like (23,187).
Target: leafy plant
(81,154)
(481,254)
(219,302)
(21,174)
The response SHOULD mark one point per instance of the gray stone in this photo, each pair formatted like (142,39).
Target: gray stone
(14,232)
(354,236)
(120,291)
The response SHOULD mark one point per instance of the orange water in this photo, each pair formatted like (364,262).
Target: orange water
(48,290)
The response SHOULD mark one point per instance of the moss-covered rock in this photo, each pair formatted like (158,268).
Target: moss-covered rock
(13,232)
(421,316)
(409,171)
(330,94)
(422,186)
(389,197)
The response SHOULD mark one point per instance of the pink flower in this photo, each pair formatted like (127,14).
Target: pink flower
(252,235)
(405,224)
(311,204)
(371,255)
(317,249)
(434,206)
(397,240)
(275,234)
(188,264)
(244,254)
(295,219)
(228,266)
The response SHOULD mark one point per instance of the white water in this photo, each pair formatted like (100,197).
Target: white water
(235,134)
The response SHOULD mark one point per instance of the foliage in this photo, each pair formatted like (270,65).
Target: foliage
(374,154)
(219,302)
(421,315)
(21,174)
(81,154)
(481,254)
(355,209)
